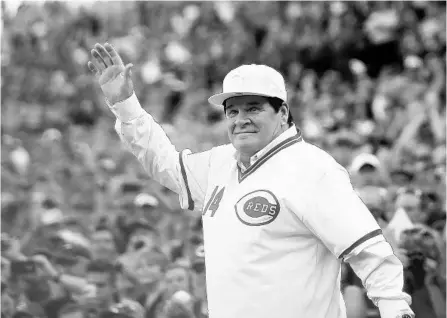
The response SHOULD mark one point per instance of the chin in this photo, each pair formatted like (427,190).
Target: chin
(245,145)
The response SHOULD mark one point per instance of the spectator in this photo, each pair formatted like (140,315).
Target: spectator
(140,235)
(102,275)
(104,244)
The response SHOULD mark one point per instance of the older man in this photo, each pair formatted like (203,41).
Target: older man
(279,215)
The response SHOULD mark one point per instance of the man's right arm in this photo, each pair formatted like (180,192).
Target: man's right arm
(182,172)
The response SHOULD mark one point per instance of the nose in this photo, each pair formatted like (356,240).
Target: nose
(241,119)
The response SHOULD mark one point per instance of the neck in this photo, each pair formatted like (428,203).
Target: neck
(244,157)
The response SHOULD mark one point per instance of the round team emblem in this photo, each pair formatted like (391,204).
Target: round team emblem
(259,207)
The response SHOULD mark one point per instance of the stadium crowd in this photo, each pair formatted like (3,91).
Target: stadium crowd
(86,234)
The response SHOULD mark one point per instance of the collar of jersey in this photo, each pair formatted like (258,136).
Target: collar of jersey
(286,139)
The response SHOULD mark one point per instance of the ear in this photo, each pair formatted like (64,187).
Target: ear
(284,111)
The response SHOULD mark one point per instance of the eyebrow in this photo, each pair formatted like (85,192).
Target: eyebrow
(253,103)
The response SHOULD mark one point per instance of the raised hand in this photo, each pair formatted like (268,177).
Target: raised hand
(113,76)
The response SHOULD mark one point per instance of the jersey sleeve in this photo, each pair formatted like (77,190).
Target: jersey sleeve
(182,172)
(338,217)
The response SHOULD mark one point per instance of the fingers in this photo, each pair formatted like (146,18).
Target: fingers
(93,69)
(116,59)
(100,63)
(104,54)
(94,66)
(128,71)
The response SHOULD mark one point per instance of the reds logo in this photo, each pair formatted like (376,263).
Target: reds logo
(259,207)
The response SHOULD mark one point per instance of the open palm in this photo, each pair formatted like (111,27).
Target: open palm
(113,76)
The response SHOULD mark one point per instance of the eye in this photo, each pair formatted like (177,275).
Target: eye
(253,109)
(231,113)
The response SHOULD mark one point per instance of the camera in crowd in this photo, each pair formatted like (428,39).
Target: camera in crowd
(422,249)
(420,242)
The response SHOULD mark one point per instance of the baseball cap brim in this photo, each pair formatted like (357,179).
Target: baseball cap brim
(218,99)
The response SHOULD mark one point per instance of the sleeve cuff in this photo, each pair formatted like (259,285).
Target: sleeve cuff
(128,109)
(394,308)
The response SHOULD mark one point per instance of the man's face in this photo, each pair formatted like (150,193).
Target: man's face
(147,270)
(150,213)
(252,122)
(343,153)
(177,279)
(369,175)
(103,245)
(411,204)
(142,238)
(103,284)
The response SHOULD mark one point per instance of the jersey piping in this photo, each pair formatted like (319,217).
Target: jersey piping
(284,144)
(185,179)
(363,239)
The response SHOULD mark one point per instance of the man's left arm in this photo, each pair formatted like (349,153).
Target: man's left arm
(347,228)
(381,273)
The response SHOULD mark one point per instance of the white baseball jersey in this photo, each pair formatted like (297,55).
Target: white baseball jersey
(274,233)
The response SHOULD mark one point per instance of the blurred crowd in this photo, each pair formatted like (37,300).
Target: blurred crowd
(85,233)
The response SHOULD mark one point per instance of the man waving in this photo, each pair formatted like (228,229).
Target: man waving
(279,214)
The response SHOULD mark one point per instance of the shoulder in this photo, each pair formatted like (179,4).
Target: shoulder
(316,155)
(225,150)
(312,161)
(222,154)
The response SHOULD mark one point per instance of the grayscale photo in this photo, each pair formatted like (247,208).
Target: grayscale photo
(223,159)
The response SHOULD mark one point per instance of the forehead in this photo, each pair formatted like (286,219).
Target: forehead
(245,100)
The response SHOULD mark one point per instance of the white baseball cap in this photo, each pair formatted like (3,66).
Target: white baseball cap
(146,199)
(364,159)
(253,79)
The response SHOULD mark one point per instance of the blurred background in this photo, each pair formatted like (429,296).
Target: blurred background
(85,233)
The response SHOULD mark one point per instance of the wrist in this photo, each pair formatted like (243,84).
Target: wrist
(118,99)
(128,109)
(395,308)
